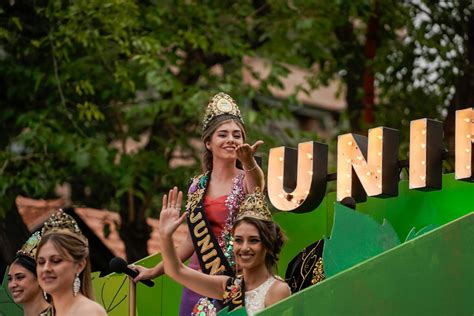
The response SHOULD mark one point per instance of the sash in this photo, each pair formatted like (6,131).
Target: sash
(306,268)
(210,255)
(234,294)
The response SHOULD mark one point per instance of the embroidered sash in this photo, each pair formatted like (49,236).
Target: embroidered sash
(210,255)
(306,268)
(234,295)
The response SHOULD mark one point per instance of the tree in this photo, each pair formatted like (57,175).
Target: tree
(81,79)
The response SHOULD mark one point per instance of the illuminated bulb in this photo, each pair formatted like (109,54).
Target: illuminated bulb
(468,150)
(348,176)
(379,171)
(423,132)
(349,143)
(380,186)
(281,159)
(348,191)
(423,162)
(467,120)
(468,135)
(468,167)
(422,177)
(280,178)
(380,137)
(423,145)
(379,153)
(310,156)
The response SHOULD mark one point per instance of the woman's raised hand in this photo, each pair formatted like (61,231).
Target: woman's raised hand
(170,219)
(245,153)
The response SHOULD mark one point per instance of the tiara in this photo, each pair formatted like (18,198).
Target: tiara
(64,223)
(29,247)
(220,104)
(255,206)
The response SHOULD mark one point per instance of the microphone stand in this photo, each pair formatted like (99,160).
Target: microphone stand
(132,298)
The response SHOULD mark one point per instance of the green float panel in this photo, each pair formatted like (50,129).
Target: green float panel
(428,275)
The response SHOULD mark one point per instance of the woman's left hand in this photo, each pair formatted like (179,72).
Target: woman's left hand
(170,218)
(245,153)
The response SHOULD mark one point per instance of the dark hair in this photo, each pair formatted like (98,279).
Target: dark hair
(68,245)
(26,262)
(271,235)
(209,131)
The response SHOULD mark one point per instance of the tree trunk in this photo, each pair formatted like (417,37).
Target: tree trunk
(134,231)
(464,94)
(370,50)
(13,233)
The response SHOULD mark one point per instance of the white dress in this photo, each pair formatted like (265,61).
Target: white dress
(255,299)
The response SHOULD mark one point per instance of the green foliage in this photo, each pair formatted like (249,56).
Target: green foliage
(81,80)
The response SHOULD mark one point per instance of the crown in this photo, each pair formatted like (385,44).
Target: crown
(255,206)
(220,104)
(29,247)
(64,223)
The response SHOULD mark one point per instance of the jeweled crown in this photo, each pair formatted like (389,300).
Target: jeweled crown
(29,247)
(62,222)
(220,104)
(254,206)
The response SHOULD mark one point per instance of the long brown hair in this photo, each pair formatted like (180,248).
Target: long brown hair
(272,237)
(69,246)
(210,130)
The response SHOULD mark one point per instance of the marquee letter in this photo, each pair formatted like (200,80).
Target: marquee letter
(463,148)
(426,154)
(304,192)
(369,163)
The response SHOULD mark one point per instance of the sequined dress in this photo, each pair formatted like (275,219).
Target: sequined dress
(221,213)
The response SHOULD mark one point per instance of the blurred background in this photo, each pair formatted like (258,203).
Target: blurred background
(101,100)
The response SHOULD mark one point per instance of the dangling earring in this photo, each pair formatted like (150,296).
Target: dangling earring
(76,285)
(45,295)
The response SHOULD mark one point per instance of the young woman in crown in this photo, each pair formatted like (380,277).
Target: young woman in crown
(257,243)
(23,282)
(63,268)
(230,171)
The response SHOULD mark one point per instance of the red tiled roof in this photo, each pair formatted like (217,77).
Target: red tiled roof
(35,212)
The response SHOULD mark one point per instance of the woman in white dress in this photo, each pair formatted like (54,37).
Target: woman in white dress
(257,243)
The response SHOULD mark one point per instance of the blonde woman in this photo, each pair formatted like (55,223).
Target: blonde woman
(63,268)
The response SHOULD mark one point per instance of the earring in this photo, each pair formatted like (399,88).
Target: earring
(45,295)
(76,285)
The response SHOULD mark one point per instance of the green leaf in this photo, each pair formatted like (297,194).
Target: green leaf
(413,233)
(17,22)
(355,237)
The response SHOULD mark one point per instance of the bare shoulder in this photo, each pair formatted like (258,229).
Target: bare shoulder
(277,292)
(90,308)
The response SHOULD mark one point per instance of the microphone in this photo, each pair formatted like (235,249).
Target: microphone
(118,265)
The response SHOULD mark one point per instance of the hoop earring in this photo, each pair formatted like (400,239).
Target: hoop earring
(76,286)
